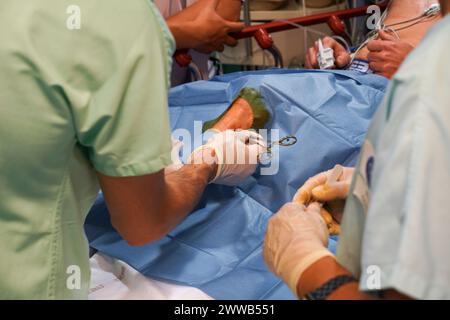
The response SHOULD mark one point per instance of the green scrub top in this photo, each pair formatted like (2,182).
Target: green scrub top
(82,89)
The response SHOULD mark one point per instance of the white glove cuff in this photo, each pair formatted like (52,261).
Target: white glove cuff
(304,264)
(220,164)
(192,157)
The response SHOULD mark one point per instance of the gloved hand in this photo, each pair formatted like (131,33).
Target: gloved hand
(296,238)
(330,188)
(177,164)
(236,154)
(319,189)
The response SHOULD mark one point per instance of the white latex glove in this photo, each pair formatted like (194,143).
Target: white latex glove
(236,155)
(326,186)
(177,164)
(296,238)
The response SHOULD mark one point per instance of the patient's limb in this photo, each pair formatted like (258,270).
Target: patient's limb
(402,10)
(394,50)
(238,116)
(247,111)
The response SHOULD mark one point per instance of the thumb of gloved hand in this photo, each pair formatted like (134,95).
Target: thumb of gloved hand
(319,188)
(237,154)
(334,190)
(326,192)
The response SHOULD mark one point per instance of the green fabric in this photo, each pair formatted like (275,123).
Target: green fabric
(73,102)
(260,113)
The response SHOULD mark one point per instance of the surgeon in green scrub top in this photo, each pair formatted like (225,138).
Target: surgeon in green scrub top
(83,93)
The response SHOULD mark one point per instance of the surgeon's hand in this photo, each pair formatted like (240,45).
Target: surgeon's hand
(236,154)
(334,194)
(201,27)
(387,53)
(296,237)
(341,56)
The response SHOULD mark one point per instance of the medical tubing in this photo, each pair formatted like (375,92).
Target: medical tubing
(322,34)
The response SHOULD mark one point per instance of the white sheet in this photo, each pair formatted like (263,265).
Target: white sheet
(113,279)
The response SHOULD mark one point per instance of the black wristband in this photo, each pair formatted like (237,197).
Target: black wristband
(328,288)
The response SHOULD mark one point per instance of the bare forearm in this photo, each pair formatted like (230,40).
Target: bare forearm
(328,268)
(402,10)
(190,31)
(323,271)
(227,9)
(183,28)
(184,32)
(183,190)
(230,9)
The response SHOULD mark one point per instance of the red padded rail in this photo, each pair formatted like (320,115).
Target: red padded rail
(278,26)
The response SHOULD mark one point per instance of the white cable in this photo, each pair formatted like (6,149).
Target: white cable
(372,34)
(342,41)
(320,33)
(431,11)
(389,29)
(244,60)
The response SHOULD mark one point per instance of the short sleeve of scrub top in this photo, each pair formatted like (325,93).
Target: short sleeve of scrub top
(84,88)
(124,125)
(405,164)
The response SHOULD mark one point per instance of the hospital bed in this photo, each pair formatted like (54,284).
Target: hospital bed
(261,33)
(218,248)
(112,279)
(216,253)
